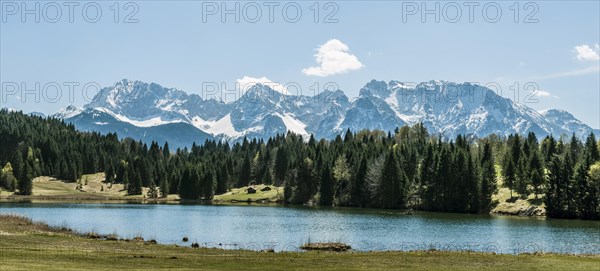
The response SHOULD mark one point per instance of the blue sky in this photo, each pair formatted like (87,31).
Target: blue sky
(183,45)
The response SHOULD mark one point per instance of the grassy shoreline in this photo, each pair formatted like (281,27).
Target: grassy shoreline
(25,245)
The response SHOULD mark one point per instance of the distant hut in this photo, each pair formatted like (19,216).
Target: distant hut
(266,188)
(251,190)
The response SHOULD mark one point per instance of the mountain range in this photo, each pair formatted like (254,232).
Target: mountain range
(148,111)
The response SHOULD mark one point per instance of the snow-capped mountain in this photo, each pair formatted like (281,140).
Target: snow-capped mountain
(450,108)
(68,112)
(565,122)
(151,112)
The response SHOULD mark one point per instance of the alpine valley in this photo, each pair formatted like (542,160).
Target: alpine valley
(150,112)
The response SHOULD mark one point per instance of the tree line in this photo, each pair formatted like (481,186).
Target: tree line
(406,168)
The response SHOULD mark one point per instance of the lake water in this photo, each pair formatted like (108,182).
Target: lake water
(286,228)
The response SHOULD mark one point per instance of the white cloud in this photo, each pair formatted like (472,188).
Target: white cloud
(247,82)
(587,53)
(542,93)
(333,58)
(584,71)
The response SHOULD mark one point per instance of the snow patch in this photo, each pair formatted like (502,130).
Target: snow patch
(400,85)
(156,121)
(223,126)
(392,100)
(293,124)
(146,123)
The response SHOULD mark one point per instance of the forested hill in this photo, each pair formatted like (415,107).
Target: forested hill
(404,169)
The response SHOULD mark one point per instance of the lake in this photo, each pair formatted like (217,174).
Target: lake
(286,228)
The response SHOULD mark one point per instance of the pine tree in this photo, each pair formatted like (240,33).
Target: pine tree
(208,181)
(442,177)
(164,188)
(121,172)
(536,172)
(509,177)
(166,151)
(585,193)
(143,171)
(188,186)
(18,164)
(109,173)
(135,182)
(267,178)
(24,184)
(591,149)
(514,150)
(185,184)
(427,178)
(511,162)
(358,192)
(326,187)
(569,187)
(73,172)
(135,187)
(575,148)
(392,183)
(304,190)
(549,148)
(281,165)
(245,172)
(222,179)
(487,176)
(468,199)
(554,192)
(523,174)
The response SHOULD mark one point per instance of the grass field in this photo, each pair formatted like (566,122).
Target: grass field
(242,195)
(33,246)
(529,206)
(92,188)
